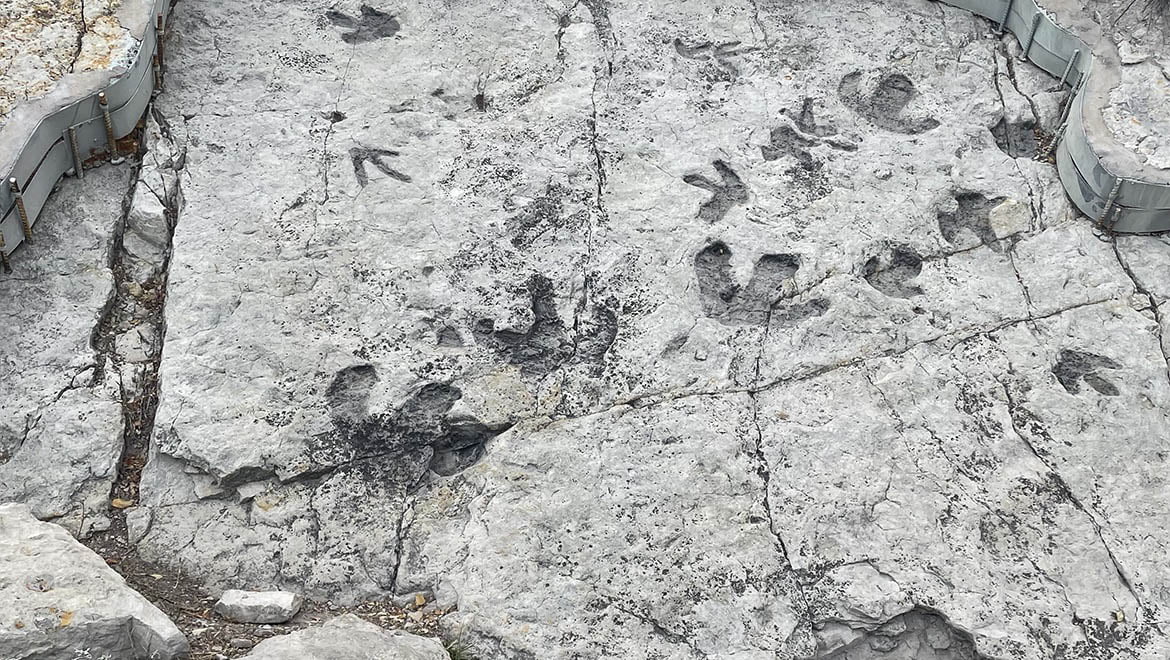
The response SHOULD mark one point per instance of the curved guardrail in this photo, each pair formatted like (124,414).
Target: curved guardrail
(83,130)
(1103,178)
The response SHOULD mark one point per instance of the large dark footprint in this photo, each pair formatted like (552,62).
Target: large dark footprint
(893,271)
(920,634)
(545,346)
(1016,139)
(729,192)
(1074,366)
(885,107)
(723,299)
(973,216)
(419,430)
(370,26)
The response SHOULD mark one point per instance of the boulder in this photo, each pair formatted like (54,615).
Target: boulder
(60,600)
(351,638)
(258,606)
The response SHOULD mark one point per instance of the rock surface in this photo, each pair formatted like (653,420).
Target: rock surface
(60,404)
(258,606)
(644,330)
(1139,109)
(41,42)
(351,638)
(59,600)
(684,330)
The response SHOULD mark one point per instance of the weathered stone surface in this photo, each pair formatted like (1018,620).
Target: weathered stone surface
(348,637)
(645,330)
(43,41)
(59,600)
(258,606)
(1139,109)
(60,410)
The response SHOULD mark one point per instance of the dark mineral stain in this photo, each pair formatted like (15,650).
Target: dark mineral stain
(884,107)
(371,25)
(729,192)
(1074,366)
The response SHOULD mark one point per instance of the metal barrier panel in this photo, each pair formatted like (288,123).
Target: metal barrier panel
(63,141)
(1121,201)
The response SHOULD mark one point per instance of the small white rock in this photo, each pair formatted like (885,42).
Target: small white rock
(258,606)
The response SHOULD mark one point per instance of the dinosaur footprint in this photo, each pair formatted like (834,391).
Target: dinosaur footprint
(546,344)
(892,272)
(730,192)
(973,216)
(418,429)
(370,26)
(885,106)
(755,304)
(1074,366)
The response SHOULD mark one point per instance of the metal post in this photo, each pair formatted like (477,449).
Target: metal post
(157,75)
(4,255)
(111,141)
(1006,13)
(20,209)
(78,165)
(1031,37)
(1072,61)
(1109,202)
(159,33)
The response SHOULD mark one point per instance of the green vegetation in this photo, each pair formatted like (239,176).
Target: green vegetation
(458,651)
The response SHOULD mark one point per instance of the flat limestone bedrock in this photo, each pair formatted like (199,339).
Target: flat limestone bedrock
(349,637)
(49,60)
(610,258)
(60,404)
(59,600)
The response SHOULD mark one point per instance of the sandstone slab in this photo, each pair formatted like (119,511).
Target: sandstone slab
(349,637)
(258,606)
(60,403)
(60,600)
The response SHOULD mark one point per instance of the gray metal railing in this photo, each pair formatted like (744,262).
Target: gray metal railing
(77,133)
(1103,178)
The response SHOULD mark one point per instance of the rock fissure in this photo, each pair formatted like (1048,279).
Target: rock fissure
(1019,417)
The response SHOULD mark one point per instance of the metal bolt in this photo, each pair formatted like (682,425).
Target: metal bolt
(1072,61)
(159,33)
(1031,37)
(78,166)
(4,255)
(111,141)
(1006,13)
(1109,203)
(20,209)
